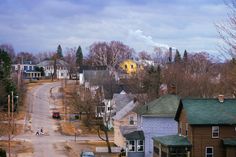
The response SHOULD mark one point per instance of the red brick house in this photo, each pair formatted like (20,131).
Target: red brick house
(207,128)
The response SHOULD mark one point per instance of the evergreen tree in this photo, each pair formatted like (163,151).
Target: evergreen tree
(185,57)
(59,51)
(177,57)
(79,57)
(6,83)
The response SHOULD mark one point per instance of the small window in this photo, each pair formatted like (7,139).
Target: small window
(180,128)
(132,146)
(125,66)
(132,66)
(209,152)
(215,131)
(186,129)
(131,120)
(62,74)
(140,145)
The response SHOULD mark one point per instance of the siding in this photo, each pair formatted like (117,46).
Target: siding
(156,126)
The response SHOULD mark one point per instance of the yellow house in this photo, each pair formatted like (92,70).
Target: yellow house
(129,66)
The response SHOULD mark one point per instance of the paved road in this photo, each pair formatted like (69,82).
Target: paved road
(39,102)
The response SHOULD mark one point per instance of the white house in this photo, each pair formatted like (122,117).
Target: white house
(48,66)
(157,119)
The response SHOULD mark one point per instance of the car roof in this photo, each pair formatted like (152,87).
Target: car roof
(88,153)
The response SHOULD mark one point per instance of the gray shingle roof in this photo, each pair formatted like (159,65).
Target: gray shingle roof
(125,110)
(121,100)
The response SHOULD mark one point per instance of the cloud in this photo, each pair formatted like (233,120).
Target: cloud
(34,26)
(139,35)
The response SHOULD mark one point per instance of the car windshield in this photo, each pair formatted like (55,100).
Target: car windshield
(88,154)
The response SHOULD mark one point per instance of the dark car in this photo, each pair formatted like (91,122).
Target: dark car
(56,115)
(87,154)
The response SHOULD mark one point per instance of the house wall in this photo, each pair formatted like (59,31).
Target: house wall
(156,126)
(119,140)
(200,137)
(129,66)
(230,152)
(135,154)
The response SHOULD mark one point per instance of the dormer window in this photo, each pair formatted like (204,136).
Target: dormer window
(215,131)
(131,120)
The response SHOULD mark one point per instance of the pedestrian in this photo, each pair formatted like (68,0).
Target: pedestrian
(37,133)
(41,131)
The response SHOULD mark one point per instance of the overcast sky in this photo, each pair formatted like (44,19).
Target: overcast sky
(40,25)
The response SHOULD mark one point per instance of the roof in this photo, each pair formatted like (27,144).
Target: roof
(165,106)
(83,68)
(208,111)
(172,140)
(125,110)
(121,100)
(138,134)
(96,77)
(51,62)
(229,142)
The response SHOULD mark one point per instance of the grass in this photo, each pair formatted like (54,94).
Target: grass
(17,146)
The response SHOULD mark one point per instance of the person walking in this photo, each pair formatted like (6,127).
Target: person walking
(37,133)
(41,131)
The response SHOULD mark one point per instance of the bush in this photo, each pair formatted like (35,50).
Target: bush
(3,153)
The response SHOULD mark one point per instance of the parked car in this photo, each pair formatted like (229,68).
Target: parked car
(87,154)
(56,115)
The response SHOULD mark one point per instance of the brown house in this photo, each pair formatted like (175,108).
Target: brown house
(207,128)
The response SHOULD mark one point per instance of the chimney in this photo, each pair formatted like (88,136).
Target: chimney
(170,55)
(221,98)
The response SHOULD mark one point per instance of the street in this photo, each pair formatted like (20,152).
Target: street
(39,111)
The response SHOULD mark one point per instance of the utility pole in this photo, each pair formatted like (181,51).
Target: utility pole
(9,126)
(12,111)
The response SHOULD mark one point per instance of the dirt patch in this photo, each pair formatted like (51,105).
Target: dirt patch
(18,148)
(4,129)
(67,128)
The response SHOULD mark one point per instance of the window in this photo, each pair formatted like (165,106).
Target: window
(132,66)
(186,129)
(180,128)
(215,131)
(131,146)
(178,151)
(209,152)
(61,74)
(125,66)
(131,120)
(140,145)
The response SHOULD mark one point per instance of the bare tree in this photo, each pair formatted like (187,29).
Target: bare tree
(70,58)
(109,54)
(144,55)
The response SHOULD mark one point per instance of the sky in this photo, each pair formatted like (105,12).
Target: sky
(40,25)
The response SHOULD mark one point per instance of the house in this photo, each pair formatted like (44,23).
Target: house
(48,66)
(129,66)
(27,69)
(156,118)
(206,127)
(93,74)
(126,133)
